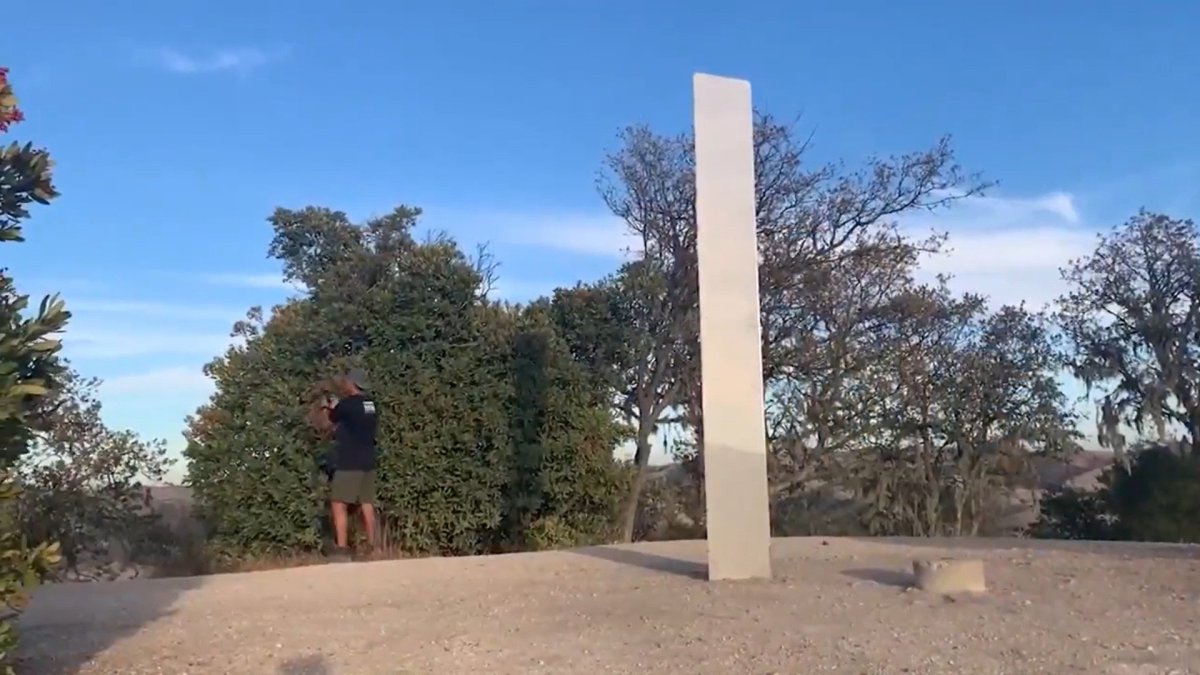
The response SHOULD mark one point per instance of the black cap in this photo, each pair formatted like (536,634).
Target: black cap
(358,377)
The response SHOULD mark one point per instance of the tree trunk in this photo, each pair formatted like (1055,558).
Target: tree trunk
(960,505)
(977,516)
(641,460)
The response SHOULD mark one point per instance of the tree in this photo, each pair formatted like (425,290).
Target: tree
(971,397)
(1154,497)
(249,450)
(83,482)
(1076,514)
(615,328)
(564,487)
(28,365)
(1157,496)
(491,437)
(1132,318)
(823,399)
(809,220)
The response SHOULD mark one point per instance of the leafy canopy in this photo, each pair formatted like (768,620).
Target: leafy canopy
(491,437)
(28,366)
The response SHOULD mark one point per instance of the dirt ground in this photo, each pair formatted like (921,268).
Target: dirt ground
(834,606)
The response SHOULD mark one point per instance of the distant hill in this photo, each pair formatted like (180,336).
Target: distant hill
(1082,470)
(175,502)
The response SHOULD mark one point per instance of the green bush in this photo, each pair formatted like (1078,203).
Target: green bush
(1155,498)
(21,567)
(1074,513)
(28,364)
(1158,497)
(489,437)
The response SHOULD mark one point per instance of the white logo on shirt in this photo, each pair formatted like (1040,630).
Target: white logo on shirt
(369,407)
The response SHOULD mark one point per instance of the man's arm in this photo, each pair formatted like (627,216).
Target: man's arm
(318,418)
(337,412)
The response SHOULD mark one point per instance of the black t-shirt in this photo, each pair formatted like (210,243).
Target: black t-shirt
(354,422)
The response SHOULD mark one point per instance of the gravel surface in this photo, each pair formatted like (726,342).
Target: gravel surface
(834,606)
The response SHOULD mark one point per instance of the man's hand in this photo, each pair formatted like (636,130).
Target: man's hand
(318,418)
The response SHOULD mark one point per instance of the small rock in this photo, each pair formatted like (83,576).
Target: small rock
(950,576)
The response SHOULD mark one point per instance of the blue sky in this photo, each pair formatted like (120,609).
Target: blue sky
(177,127)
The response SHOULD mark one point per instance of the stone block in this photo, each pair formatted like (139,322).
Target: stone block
(949,576)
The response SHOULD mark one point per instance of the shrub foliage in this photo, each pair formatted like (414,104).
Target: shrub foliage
(1155,496)
(490,438)
(28,366)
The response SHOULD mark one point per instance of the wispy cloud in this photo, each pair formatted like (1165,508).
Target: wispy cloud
(517,290)
(1009,248)
(81,342)
(64,285)
(164,381)
(105,327)
(272,281)
(583,234)
(239,60)
(161,310)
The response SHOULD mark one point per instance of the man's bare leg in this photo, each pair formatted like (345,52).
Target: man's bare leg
(338,514)
(368,519)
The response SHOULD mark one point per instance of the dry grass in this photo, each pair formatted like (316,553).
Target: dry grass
(191,558)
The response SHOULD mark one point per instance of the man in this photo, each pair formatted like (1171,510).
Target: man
(354,424)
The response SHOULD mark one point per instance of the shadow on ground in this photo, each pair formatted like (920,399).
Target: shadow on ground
(313,664)
(1124,549)
(881,576)
(67,624)
(646,560)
